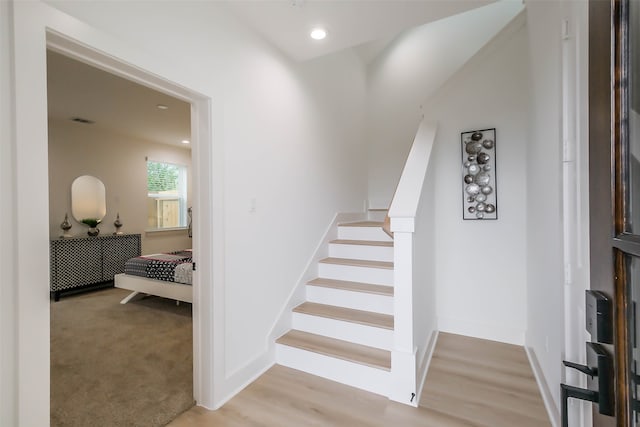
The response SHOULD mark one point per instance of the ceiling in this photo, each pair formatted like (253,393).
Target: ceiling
(349,23)
(77,90)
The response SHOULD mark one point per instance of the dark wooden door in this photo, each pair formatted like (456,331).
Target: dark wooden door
(614,189)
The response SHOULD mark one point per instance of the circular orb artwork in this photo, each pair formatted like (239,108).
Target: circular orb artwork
(479,174)
(473,189)
(483,158)
(488,144)
(473,147)
(473,168)
(482,179)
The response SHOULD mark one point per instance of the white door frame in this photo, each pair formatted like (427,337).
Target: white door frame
(200,151)
(575,188)
(35,27)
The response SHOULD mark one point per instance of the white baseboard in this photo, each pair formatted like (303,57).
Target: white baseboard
(547,398)
(235,382)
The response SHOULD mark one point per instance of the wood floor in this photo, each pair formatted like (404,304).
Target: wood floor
(471,382)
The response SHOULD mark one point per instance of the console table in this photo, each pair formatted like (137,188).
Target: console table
(79,262)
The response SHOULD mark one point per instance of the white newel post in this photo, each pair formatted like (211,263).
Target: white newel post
(403,356)
(402,212)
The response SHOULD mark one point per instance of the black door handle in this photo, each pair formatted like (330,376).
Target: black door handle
(567,391)
(582,368)
(599,389)
(579,393)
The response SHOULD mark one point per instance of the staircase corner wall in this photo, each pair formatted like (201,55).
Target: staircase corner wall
(298,293)
(424,360)
(424,277)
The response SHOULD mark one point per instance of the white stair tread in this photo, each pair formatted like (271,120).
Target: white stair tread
(358,263)
(352,286)
(369,356)
(362,224)
(362,242)
(368,318)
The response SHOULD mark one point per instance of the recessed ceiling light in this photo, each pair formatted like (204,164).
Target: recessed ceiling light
(318,33)
(185,141)
(162,107)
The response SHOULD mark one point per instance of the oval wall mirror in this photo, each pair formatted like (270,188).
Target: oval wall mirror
(88,198)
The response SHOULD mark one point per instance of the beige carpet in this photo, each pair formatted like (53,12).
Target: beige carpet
(119,365)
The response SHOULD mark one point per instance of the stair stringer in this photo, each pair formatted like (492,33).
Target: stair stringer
(298,294)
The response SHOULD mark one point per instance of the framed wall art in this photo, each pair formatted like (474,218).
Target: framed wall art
(479,196)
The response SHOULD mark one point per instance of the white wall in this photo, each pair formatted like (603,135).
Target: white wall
(480,265)
(284,134)
(296,145)
(410,70)
(516,85)
(8,293)
(545,333)
(119,161)
(558,234)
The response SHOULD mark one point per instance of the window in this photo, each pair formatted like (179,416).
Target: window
(166,195)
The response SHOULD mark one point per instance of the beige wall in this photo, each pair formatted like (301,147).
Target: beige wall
(120,163)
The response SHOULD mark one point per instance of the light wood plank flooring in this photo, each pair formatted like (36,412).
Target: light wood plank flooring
(362,224)
(358,263)
(471,382)
(344,350)
(352,286)
(363,242)
(349,315)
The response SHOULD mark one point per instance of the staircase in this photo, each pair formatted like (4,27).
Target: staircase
(344,329)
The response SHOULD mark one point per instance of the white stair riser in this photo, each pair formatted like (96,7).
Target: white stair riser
(363,233)
(355,300)
(371,253)
(376,276)
(342,371)
(346,331)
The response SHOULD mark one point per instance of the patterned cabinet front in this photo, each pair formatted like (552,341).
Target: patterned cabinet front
(75,262)
(116,251)
(85,261)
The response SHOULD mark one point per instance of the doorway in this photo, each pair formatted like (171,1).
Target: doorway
(110,361)
(201,182)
